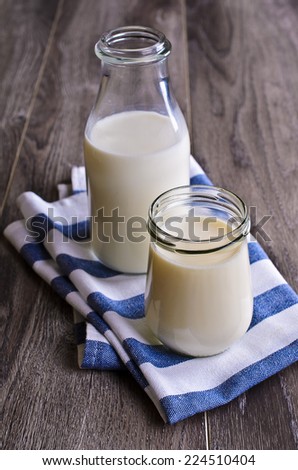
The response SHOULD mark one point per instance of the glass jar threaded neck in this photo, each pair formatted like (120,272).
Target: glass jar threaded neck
(173,208)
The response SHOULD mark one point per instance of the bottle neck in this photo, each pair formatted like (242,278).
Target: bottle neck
(135,76)
(132,45)
(137,87)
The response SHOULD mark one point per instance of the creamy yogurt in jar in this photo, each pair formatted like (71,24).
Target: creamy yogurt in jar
(198,295)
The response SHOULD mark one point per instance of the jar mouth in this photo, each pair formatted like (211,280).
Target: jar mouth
(203,204)
(132,45)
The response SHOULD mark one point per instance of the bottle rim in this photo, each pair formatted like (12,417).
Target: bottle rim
(202,196)
(132,45)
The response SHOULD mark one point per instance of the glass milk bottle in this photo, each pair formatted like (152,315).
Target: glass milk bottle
(136,144)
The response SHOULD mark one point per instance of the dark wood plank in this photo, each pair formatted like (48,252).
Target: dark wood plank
(244,68)
(48,402)
(263,418)
(25,29)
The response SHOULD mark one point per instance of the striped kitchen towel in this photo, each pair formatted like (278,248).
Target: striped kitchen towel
(53,238)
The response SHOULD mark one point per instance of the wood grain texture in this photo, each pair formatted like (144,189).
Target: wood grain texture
(25,30)
(265,417)
(48,402)
(244,69)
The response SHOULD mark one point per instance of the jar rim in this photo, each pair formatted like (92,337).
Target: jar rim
(132,45)
(203,196)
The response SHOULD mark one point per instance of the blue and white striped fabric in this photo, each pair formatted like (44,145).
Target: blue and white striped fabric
(115,334)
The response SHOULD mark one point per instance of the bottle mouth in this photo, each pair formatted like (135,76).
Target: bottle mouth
(132,45)
(222,217)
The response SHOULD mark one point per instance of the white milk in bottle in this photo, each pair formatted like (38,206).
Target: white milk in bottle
(131,158)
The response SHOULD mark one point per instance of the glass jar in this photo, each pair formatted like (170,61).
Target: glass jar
(198,297)
(136,144)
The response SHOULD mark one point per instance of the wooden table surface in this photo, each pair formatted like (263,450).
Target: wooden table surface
(234,69)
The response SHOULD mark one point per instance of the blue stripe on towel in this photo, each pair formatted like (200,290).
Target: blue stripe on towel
(95,268)
(101,356)
(137,374)
(157,355)
(272,302)
(256,253)
(33,252)
(97,322)
(128,308)
(78,191)
(41,224)
(63,286)
(200,179)
(178,407)
(78,232)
